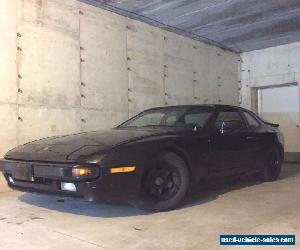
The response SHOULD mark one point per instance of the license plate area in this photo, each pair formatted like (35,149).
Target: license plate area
(22,171)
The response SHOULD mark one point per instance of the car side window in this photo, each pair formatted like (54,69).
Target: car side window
(149,119)
(199,117)
(230,120)
(171,119)
(252,122)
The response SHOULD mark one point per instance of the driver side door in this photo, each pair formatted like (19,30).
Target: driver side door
(230,150)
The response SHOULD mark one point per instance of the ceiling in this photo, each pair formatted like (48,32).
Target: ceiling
(237,25)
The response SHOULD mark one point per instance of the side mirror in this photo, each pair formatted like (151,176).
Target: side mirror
(230,126)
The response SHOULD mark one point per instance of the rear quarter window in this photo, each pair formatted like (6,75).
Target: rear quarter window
(251,120)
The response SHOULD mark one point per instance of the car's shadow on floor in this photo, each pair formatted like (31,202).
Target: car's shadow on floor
(211,190)
(200,194)
(80,207)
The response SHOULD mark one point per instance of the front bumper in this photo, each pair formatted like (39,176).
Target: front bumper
(47,178)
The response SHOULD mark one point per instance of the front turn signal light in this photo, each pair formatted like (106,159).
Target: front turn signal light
(81,172)
(122,170)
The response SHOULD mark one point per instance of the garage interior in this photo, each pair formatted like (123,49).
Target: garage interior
(72,66)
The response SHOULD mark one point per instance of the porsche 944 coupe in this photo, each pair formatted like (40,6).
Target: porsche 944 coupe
(154,156)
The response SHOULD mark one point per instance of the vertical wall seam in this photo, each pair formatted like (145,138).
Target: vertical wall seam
(240,96)
(218,82)
(17,73)
(127,66)
(194,77)
(164,67)
(80,69)
(298,99)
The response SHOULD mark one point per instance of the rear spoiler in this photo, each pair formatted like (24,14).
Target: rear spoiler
(275,125)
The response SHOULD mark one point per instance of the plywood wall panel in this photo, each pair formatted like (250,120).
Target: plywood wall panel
(8,51)
(8,125)
(39,122)
(104,61)
(178,61)
(49,57)
(99,120)
(145,66)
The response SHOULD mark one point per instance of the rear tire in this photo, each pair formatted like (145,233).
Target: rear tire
(272,165)
(166,183)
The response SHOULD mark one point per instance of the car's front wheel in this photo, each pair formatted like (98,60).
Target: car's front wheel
(272,166)
(166,183)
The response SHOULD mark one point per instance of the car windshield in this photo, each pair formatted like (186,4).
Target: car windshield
(170,117)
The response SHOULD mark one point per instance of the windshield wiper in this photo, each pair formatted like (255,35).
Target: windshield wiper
(158,126)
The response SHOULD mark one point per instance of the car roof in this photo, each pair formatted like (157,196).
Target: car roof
(197,105)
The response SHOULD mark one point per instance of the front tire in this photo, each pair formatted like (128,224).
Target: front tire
(166,183)
(272,166)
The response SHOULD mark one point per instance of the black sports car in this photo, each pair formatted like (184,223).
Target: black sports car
(155,155)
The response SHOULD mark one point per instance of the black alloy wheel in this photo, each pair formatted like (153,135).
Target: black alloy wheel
(273,166)
(166,183)
(163,182)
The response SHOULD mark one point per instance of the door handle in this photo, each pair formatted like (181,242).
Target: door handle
(298,125)
(251,138)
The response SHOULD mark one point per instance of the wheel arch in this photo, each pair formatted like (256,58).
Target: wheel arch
(281,150)
(279,146)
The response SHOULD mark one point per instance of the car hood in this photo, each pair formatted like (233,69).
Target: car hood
(71,147)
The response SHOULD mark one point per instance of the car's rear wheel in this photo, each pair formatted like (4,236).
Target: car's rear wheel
(272,167)
(166,183)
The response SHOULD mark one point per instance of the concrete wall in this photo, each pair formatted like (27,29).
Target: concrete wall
(271,66)
(8,83)
(66,67)
(268,67)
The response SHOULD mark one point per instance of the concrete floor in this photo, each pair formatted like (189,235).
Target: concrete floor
(31,221)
